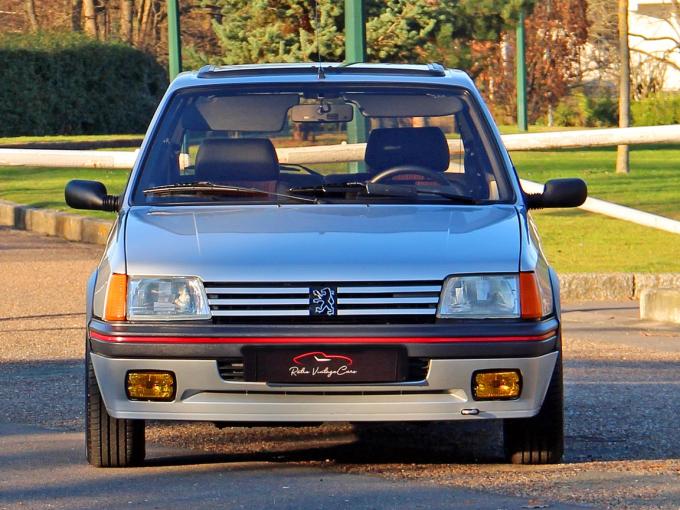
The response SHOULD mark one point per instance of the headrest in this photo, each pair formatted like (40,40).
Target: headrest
(390,147)
(237,159)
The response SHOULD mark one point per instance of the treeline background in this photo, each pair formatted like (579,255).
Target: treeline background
(70,48)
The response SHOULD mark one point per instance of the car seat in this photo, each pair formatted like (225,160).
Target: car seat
(248,162)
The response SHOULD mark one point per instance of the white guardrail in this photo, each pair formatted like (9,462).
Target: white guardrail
(355,152)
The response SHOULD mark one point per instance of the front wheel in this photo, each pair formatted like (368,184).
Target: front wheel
(110,442)
(540,439)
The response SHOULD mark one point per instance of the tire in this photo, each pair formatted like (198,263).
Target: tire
(540,439)
(110,442)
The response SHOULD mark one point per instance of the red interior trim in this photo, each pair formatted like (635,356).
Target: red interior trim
(314,340)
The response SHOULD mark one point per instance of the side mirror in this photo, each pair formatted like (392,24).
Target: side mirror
(559,193)
(89,195)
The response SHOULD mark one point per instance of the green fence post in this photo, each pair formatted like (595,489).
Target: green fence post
(520,53)
(355,51)
(174,40)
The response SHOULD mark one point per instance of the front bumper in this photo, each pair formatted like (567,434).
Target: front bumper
(202,395)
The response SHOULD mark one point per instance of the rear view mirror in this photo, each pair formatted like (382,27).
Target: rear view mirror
(323,112)
(559,193)
(89,195)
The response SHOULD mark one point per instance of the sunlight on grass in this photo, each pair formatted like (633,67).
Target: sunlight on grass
(66,138)
(576,241)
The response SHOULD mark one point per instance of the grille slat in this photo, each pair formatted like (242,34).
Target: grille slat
(386,300)
(387,311)
(346,289)
(260,301)
(256,290)
(231,369)
(258,313)
(366,300)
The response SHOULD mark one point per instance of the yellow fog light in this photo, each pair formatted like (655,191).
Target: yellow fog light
(150,385)
(496,384)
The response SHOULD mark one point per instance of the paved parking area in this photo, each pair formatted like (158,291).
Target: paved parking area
(622,402)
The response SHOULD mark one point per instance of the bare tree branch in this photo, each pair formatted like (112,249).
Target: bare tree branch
(660,58)
(661,38)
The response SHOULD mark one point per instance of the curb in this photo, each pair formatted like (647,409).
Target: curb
(613,286)
(573,286)
(71,227)
(660,305)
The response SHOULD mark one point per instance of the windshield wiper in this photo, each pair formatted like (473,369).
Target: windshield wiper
(368,188)
(463,199)
(383,190)
(192,188)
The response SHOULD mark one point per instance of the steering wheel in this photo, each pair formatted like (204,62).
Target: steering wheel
(418,170)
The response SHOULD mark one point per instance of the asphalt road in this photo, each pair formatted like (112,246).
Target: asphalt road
(622,405)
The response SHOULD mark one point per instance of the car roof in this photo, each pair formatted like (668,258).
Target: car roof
(324,72)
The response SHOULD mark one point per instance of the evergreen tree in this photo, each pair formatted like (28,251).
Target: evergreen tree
(396,30)
(252,31)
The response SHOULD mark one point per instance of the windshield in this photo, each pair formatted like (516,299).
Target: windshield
(322,144)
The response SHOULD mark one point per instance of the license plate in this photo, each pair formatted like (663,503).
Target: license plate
(326,365)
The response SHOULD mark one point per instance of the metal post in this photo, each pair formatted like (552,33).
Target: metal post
(355,31)
(355,51)
(174,40)
(520,52)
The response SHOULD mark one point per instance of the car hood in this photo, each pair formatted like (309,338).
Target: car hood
(322,243)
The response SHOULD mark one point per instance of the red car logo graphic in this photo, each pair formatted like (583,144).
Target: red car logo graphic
(321,357)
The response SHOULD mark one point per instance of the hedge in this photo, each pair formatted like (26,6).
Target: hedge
(65,83)
(656,110)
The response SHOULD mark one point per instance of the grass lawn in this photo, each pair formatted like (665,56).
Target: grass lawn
(44,187)
(577,241)
(574,241)
(66,138)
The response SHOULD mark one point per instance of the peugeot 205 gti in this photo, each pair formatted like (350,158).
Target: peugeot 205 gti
(267,266)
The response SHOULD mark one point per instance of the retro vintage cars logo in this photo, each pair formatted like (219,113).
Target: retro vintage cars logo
(320,364)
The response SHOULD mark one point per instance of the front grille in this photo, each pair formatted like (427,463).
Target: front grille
(232,369)
(370,302)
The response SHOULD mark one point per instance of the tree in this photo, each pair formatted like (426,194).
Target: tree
(90,16)
(622,153)
(29,6)
(76,15)
(603,40)
(668,32)
(126,13)
(276,30)
(396,30)
(556,32)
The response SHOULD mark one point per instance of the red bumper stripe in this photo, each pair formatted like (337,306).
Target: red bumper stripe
(314,340)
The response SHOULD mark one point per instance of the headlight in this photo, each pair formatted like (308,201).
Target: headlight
(166,298)
(480,297)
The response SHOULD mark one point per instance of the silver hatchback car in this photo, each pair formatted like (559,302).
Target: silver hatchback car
(269,266)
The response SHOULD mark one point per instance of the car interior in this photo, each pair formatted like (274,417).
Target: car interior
(232,140)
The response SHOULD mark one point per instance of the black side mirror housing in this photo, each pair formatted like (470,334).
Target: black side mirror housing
(91,195)
(559,193)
